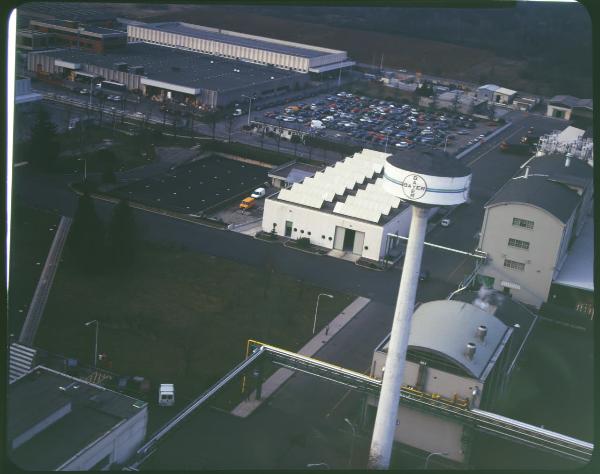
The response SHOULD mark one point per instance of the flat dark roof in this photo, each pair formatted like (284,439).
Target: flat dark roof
(183,68)
(38,395)
(85,28)
(429,162)
(197,31)
(68,11)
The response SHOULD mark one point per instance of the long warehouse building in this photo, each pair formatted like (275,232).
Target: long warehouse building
(166,74)
(240,46)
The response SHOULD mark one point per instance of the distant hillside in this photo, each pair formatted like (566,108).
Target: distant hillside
(536,47)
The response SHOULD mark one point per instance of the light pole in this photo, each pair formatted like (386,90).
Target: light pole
(445,143)
(429,456)
(387,136)
(340,78)
(250,99)
(96,344)
(317,309)
(91,89)
(352,444)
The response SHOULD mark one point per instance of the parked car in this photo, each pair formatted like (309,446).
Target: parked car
(445,222)
(258,193)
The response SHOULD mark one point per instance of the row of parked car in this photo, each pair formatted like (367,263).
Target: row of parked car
(379,123)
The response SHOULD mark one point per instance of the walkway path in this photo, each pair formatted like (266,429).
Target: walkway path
(273,383)
(38,303)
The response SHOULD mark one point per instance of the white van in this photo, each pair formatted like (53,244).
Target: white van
(166,395)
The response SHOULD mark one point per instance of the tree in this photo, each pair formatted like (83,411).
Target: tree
(229,127)
(455,103)
(121,236)
(86,237)
(43,144)
(491,112)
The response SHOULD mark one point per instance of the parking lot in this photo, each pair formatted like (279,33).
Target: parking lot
(380,124)
(196,187)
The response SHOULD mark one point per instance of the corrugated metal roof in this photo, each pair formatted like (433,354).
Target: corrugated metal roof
(224,36)
(445,327)
(578,269)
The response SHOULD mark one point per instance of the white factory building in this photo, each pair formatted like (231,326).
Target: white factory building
(457,353)
(56,422)
(239,46)
(343,207)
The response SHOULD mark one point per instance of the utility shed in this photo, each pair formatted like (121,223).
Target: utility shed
(457,351)
(58,422)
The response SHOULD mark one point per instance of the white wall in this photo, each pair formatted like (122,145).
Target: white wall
(540,259)
(120,443)
(320,223)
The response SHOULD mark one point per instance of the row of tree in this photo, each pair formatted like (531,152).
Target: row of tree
(98,249)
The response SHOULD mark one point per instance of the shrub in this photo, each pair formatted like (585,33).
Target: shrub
(303,242)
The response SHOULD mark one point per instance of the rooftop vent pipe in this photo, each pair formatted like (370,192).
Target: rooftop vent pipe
(470,352)
(568,160)
(481,332)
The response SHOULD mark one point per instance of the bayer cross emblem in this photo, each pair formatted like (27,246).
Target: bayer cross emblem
(414,186)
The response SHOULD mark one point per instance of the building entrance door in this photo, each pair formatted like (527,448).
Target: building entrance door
(338,241)
(506,290)
(359,240)
(288,228)
(349,240)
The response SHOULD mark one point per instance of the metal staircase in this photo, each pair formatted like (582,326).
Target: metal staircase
(21,361)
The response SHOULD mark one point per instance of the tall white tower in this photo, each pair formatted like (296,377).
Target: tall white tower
(425,179)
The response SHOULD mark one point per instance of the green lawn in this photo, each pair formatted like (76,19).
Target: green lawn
(553,383)
(179,316)
(32,232)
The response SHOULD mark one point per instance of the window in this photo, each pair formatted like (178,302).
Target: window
(514,265)
(522,223)
(520,244)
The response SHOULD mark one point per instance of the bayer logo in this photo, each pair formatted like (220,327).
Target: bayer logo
(414,186)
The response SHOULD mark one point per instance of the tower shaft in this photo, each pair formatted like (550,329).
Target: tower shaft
(389,398)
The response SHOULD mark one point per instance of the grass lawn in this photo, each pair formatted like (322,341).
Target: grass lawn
(179,316)
(32,232)
(553,383)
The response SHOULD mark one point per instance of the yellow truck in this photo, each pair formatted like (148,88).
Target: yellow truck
(248,203)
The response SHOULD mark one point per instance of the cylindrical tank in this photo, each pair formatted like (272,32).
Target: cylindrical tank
(430,178)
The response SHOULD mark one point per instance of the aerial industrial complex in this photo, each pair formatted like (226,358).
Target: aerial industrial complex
(460,225)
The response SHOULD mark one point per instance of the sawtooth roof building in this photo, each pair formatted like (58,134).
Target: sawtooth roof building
(261,50)
(344,207)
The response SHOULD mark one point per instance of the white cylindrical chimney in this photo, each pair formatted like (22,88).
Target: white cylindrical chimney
(481,332)
(567,160)
(470,352)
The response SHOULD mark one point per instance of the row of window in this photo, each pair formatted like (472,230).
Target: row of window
(520,244)
(518,222)
(514,265)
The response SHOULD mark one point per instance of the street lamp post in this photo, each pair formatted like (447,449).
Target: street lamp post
(387,136)
(352,444)
(250,99)
(445,143)
(431,455)
(96,344)
(317,309)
